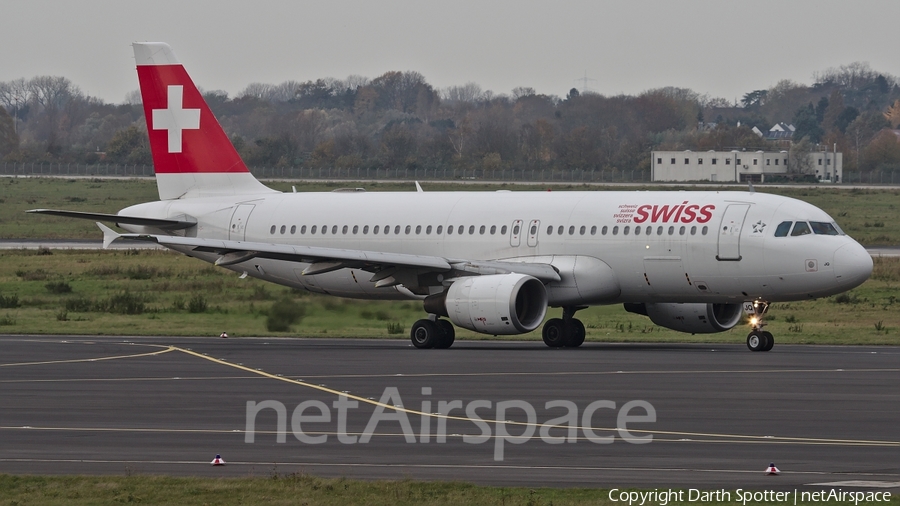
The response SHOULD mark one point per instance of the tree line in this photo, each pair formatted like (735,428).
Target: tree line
(399,120)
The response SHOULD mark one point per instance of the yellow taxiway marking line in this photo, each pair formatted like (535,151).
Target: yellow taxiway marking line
(95,359)
(739,437)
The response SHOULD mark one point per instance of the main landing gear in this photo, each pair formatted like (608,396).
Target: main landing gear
(432,333)
(759,339)
(566,331)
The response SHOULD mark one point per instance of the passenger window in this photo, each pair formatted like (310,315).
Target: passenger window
(303,229)
(283,229)
(482,229)
(659,230)
(418,229)
(616,230)
(626,230)
(334,229)
(571,229)
(800,228)
(637,230)
(516,230)
(822,228)
(671,230)
(783,228)
(503,230)
(450,230)
(471,229)
(374,230)
(439,229)
(604,230)
(594,230)
(581,230)
(694,230)
(560,230)
(366,230)
(355,229)
(705,230)
(397,229)
(493,229)
(550,230)
(293,229)
(387,229)
(345,229)
(681,230)
(459,230)
(408,229)
(428,230)
(313,229)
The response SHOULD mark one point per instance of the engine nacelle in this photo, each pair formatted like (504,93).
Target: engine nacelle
(693,318)
(494,304)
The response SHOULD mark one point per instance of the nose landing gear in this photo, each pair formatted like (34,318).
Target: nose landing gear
(759,339)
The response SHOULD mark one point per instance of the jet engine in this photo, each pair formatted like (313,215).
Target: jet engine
(693,318)
(493,304)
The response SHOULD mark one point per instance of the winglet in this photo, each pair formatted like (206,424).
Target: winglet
(109,235)
(419,188)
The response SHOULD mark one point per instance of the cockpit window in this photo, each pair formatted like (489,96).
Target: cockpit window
(783,228)
(838,228)
(800,228)
(823,228)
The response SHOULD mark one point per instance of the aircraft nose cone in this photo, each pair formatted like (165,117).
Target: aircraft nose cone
(852,265)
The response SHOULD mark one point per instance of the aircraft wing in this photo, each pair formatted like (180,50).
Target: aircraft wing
(388,268)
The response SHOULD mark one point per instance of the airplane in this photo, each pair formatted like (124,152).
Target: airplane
(490,262)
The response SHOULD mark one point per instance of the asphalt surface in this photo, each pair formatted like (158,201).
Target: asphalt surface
(168,405)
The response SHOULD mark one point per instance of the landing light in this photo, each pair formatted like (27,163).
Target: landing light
(754,320)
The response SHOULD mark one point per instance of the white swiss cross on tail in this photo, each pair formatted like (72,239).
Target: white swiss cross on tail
(175,118)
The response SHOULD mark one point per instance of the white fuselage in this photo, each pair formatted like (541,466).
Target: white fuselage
(659,246)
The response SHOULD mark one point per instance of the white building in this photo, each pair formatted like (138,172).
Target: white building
(739,166)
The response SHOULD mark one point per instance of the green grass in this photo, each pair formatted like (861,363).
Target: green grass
(277,489)
(151,292)
(867,215)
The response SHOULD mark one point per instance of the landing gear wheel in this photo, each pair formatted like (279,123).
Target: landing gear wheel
(576,334)
(756,341)
(554,333)
(770,340)
(448,334)
(425,334)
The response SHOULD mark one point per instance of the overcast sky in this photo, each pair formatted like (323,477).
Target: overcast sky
(723,48)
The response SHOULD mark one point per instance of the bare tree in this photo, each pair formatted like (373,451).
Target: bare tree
(800,161)
(469,92)
(522,91)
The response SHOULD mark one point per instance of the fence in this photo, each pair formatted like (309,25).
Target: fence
(389,174)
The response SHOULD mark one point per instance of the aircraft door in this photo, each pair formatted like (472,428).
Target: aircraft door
(237,231)
(533,230)
(730,232)
(515,234)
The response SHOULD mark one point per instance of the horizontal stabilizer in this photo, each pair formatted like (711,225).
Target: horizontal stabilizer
(130,220)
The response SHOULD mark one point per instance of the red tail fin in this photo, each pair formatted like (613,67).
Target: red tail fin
(192,155)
